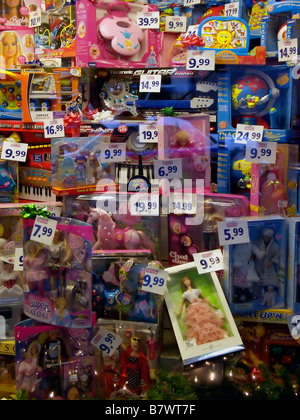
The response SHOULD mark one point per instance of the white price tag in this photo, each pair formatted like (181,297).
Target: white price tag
(183,203)
(148,20)
(231,9)
(209,261)
(14,151)
(35,19)
(246,132)
(233,232)
(200,60)
(168,169)
(192,30)
(293,322)
(113,152)
(43,230)
(155,281)
(18,261)
(55,211)
(288,50)
(54,128)
(144,204)
(148,133)
(263,152)
(150,83)
(176,23)
(188,3)
(106,341)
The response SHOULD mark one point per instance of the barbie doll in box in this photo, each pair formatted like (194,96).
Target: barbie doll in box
(10,50)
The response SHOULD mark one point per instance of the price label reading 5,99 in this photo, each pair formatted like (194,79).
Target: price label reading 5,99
(233,232)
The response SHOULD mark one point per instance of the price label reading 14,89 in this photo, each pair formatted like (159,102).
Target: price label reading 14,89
(233,232)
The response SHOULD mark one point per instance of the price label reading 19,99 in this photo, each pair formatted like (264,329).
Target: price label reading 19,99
(200,60)
(149,20)
(106,341)
(113,152)
(14,151)
(247,132)
(144,204)
(288,50)
(233,232)
(150,83)
(148,133)
(43,230)
(168,169)
(154,281)
(264,152)
(209,261)
(54,128)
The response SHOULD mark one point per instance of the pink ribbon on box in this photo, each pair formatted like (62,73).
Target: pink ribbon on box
(74,118)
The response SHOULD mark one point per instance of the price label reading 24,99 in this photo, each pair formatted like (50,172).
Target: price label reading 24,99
(155,281)
(233,232)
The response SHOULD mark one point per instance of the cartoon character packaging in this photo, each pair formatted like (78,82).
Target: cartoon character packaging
(57,278)
(108,34)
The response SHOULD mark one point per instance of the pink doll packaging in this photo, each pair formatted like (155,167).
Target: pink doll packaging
(16,13)
(57,276)
(108,35)
(16,47)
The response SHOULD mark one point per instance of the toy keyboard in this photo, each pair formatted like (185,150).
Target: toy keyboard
(35,184)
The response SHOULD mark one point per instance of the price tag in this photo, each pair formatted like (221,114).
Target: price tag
(263,152)
(183,203)
(231,9)
(192,30)
(14,151)
(209,261)
(144,204)
(106,341)
(155,281)
(293,322)
(168,169)
(188,3)
(148,133)
(35,19)
(176,23)
(245,133)
(113,152)
(288,50)
(43,230)
(233,232)
(54,128)
(55,211)
(149,20)
(18,261)
(200,60)
(150,83)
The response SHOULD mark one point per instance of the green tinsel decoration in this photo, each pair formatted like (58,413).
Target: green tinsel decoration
(171,387)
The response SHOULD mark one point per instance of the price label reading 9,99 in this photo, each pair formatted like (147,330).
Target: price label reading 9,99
(14,151)
(154,281)
(150,83)
(209,261)
(113,152)
(264,152)
(149,20)
(233,232)
(18,260)
(176,23)
(200,60)
(106,341)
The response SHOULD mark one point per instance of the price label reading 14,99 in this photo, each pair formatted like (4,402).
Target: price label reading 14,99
(14,151)
(54,128)
(233,232)
(200,60)
(150,83)
(154,281)
(106,341)
(43,230)
(288,50)
(264,152)
(209,261)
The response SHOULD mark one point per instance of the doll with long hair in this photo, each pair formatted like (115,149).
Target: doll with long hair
(10,50)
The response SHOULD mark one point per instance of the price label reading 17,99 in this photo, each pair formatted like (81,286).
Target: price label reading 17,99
(264,152)
(149,20)
(150,83)
(106,341)
(43,230)
(233,232)
(148,133)
(154,281)
(231,9)
(14,151)
(200,60)
(209,261)
(168,169)
(245,133)
(113,152)
(288,50)
(54,128)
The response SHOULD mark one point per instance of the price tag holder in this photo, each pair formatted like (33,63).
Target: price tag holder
(148,133)
(35,19)
(144,204)
(245,133)
(200,60)
(106,341)
(209,261)
(14,151)
(149,20)
(155,281)
(55,211)
(183,203)
(188,3)
(231,9)
(175,23)
(168,169)
(113,152)
(192,30)
(150,83)
(264,152)
(233,232)
(18,261)
(288,50)
(43,230)
(54,128)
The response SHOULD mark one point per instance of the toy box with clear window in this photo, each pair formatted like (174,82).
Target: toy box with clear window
(293,282)
(108,35)
(129,370)
(9,179)
(255,271)
(169,8)
(10,96)
(17,47)
(55,363)
(57,278)
(16,13)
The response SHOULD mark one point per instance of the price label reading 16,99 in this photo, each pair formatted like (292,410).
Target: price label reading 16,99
(54,128)
(233,232)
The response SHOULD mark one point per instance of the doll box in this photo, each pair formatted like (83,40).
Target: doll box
(17,14)
(20,42)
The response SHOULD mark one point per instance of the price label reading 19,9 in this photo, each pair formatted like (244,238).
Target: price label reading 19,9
(14,151)
(54,128)
(148,133)
(176,23)
(209,261)
(106,341)
(150,83)
(149,20)
(264,152)
(246,132)
(154,281)
(43,230)
(288,50)
(200,60)
(233,232)
(144,204)
(113,152)
(168,169)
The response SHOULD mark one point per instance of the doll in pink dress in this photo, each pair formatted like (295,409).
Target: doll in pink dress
(36,271)
(203,321)
(27,372)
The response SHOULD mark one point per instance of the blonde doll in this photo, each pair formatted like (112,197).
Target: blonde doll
(10,50)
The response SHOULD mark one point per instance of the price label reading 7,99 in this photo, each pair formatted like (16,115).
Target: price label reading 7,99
(106,341)
(154,281)
(43,230)
(233,232)
(209,261)
(264,152)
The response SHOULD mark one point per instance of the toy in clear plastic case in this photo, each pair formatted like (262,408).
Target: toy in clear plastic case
(10,96)
(10,287)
